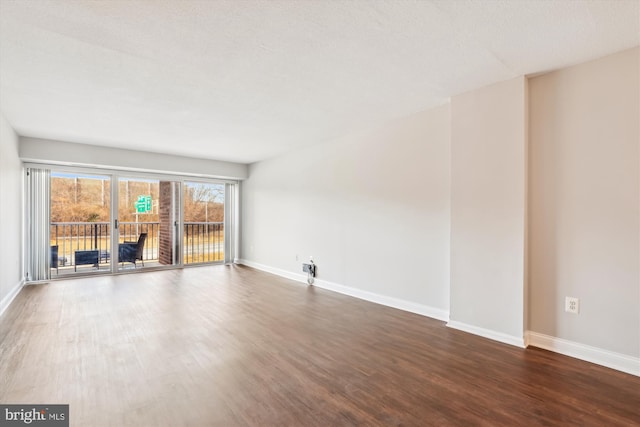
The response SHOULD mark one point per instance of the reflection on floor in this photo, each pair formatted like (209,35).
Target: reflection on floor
(102,268)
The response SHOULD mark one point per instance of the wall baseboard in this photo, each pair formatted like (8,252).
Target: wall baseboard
(620,362)
(277,271)
(488,333)
(388,301)
(609,359)
(8,299)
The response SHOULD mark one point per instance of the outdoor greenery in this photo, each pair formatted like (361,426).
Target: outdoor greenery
(77,200)
(88,199)
(80,199)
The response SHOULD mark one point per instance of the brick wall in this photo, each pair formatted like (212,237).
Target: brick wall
(165,207)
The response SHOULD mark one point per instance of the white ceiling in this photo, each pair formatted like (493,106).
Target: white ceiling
(248,80)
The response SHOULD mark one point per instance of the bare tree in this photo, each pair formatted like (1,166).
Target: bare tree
(204,202)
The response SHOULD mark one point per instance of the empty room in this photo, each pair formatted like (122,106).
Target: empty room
(319,213)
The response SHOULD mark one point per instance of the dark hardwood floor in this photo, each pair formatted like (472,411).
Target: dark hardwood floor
(232,346)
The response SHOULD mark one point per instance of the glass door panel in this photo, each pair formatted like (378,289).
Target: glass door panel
(111,223)
(148,211)
(203,234)
(80,224)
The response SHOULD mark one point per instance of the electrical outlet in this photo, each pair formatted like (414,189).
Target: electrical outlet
(572,305)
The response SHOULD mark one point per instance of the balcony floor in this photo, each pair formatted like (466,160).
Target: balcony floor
(103,268)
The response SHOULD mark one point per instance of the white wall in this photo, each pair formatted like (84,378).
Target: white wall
(372,209)
(584,203)
(488,210)
(67,153)
(10,214)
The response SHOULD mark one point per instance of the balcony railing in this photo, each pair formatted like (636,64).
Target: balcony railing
(70,237)
(202,241)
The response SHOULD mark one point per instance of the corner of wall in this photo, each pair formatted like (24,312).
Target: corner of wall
(518,341)
(8,299)
(11,214)
(609,359)
(488,211)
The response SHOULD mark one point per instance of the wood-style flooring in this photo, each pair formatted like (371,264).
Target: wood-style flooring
(233,346)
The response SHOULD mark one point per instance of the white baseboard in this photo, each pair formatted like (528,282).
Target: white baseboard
(388,301)
(488,333)
(617,361)
(400,304)
(7,300)
(277,271)
(595,355)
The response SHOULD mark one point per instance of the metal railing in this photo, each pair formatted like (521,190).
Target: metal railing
(79,236)
(130,231)
(202,241)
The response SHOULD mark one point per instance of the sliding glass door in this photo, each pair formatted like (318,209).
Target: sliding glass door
(204,220)
(80,218)
(148,218)
(96,223)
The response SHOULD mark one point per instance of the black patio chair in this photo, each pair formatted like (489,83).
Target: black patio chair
(132,251)
(54,257)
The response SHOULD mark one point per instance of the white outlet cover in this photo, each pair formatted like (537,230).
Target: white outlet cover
(572,305)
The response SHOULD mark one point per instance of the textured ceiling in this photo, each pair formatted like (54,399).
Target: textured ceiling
(248,80)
